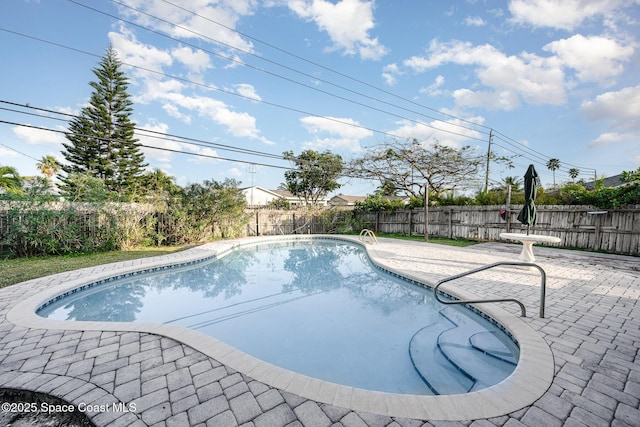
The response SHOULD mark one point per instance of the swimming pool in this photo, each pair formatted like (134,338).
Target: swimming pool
(318,307)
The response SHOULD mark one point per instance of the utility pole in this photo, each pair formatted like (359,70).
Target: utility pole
(486,176)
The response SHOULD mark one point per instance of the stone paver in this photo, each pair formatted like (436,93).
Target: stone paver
(138,378)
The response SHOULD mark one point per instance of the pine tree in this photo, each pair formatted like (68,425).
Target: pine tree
(101,138)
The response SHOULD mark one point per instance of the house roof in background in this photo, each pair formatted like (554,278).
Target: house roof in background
(611,181)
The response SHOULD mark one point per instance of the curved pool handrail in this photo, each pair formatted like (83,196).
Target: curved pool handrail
(523,310)
(368,233)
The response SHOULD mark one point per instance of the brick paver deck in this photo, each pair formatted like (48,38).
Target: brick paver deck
(592,326)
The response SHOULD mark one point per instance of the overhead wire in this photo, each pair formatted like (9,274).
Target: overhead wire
(158,134)
(214,88)
(182,79)
(351,78)
(530,153)
(146,146)
(298,57)
(245,64)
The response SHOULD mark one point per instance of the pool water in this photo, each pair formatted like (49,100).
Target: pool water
(317,307)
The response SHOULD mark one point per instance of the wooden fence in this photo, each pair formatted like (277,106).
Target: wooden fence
(583,227)
(612,230)
(265,222)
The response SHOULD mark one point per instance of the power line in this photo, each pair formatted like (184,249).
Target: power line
(214,88)
(275,74)
(146,146)
(476,125)
(354,79)
(288,68)
(505,138)
(19,152)
(157,134)
(497,133)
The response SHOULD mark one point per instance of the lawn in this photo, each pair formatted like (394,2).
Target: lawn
(21,269)
(439,240)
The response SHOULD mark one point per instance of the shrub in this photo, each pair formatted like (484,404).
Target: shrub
(377,202)
(39,229)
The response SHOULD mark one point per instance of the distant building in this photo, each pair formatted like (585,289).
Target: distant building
(257,196)
(612,181)
(342,200)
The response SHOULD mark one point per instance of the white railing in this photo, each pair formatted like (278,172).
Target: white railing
(368,234)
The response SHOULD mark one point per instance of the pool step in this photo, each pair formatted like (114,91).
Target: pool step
(489,343)
(462,358)
(435,370)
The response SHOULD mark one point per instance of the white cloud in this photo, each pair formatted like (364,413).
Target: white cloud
(248,91)
(132,52)
(174,112)
(38,136)
(235,172)
(6,153)
(196,61)
(561,14)
(609,138)
(474,21)
(343,133)
(621,109)
(390,73)
(508,80)
(434,88)
(491,100)
(168,92)
(595,58)
(347,22)
(155,139)
(239,124)
(205,154)
(213,22)
(453,133)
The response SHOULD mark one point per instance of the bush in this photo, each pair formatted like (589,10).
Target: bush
(377,202)
(35,230)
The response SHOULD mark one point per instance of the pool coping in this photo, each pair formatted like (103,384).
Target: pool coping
(529,381)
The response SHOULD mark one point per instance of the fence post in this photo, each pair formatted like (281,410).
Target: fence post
(426,213)
(410,222)
(257,222)
(293,230)
(508,207)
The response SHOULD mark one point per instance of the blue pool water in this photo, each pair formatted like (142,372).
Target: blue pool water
(317,307)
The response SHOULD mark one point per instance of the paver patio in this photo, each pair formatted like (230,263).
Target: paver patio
(592,326)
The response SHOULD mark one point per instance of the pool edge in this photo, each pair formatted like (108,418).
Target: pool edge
(530,380)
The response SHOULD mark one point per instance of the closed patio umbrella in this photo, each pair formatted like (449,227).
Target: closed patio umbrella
(528,213)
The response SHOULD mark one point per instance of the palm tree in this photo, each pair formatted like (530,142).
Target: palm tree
(552,165)
(10,180)
(573,173)
(514,182)
(48,166)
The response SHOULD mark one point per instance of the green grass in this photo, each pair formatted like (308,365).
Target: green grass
(18,270)
(439,240)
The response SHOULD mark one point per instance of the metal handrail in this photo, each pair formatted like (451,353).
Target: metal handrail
(543,285)
(368,233)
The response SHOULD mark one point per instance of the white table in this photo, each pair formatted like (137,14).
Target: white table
(527,243)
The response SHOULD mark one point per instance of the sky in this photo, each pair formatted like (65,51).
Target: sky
(222,88)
